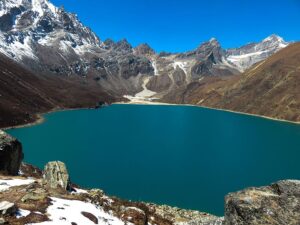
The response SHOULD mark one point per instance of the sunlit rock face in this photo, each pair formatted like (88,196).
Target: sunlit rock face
(274,204)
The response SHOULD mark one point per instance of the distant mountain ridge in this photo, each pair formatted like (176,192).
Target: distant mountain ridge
(48,39)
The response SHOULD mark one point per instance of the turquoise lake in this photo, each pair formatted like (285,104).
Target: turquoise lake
(183,156)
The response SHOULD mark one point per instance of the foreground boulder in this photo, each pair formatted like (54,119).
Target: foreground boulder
(278,203)
(185,217)
(11,154)
(56,175)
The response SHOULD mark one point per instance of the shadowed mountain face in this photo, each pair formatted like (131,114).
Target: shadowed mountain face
(54,46)
(23,94)
(269,88)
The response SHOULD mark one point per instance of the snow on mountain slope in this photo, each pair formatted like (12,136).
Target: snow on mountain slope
(181,65)
(250,54)
(46,38)
(5,6)
(26,24)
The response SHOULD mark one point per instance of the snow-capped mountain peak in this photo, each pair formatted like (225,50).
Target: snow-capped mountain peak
(37,6)
(252,53)
(213,40)
(273,38)
(47,38)
(25,25)
(5,6)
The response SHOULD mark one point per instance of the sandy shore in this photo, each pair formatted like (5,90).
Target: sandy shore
(140,102)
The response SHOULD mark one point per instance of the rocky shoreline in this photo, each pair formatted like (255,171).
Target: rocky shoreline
(31,196)
(40,118)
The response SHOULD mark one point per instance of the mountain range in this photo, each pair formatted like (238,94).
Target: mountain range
(50,60)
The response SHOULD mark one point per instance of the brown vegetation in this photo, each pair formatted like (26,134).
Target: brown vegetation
(24,94)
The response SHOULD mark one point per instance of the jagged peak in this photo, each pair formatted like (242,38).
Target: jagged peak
(41,6)
(213,42)
(274,38)
(109,41)
(144,48)
(213,39)
(146,45)
(123,45)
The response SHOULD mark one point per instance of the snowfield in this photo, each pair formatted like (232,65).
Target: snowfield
(66,212)
(6,184)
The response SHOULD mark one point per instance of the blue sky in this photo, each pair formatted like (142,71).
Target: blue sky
(180,25)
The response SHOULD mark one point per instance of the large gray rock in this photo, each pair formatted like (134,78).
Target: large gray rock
(278,203)
(184,217)
(7,208)
(11,154)
(56,175)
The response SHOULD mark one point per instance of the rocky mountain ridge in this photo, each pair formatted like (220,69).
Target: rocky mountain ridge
(47,39)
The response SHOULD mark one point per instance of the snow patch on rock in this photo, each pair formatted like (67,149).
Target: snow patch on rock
(181,65)
(22,213)
(65,212)
(6,184)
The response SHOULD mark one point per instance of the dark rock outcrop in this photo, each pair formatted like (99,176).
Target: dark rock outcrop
(278,203)
(90,216)
(11,154)
(179,77)
(56,175)
(28,170)
(7,208)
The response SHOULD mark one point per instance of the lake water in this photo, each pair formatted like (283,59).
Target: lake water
(183,156)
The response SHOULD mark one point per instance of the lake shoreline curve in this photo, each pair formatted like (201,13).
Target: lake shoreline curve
(40,116)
